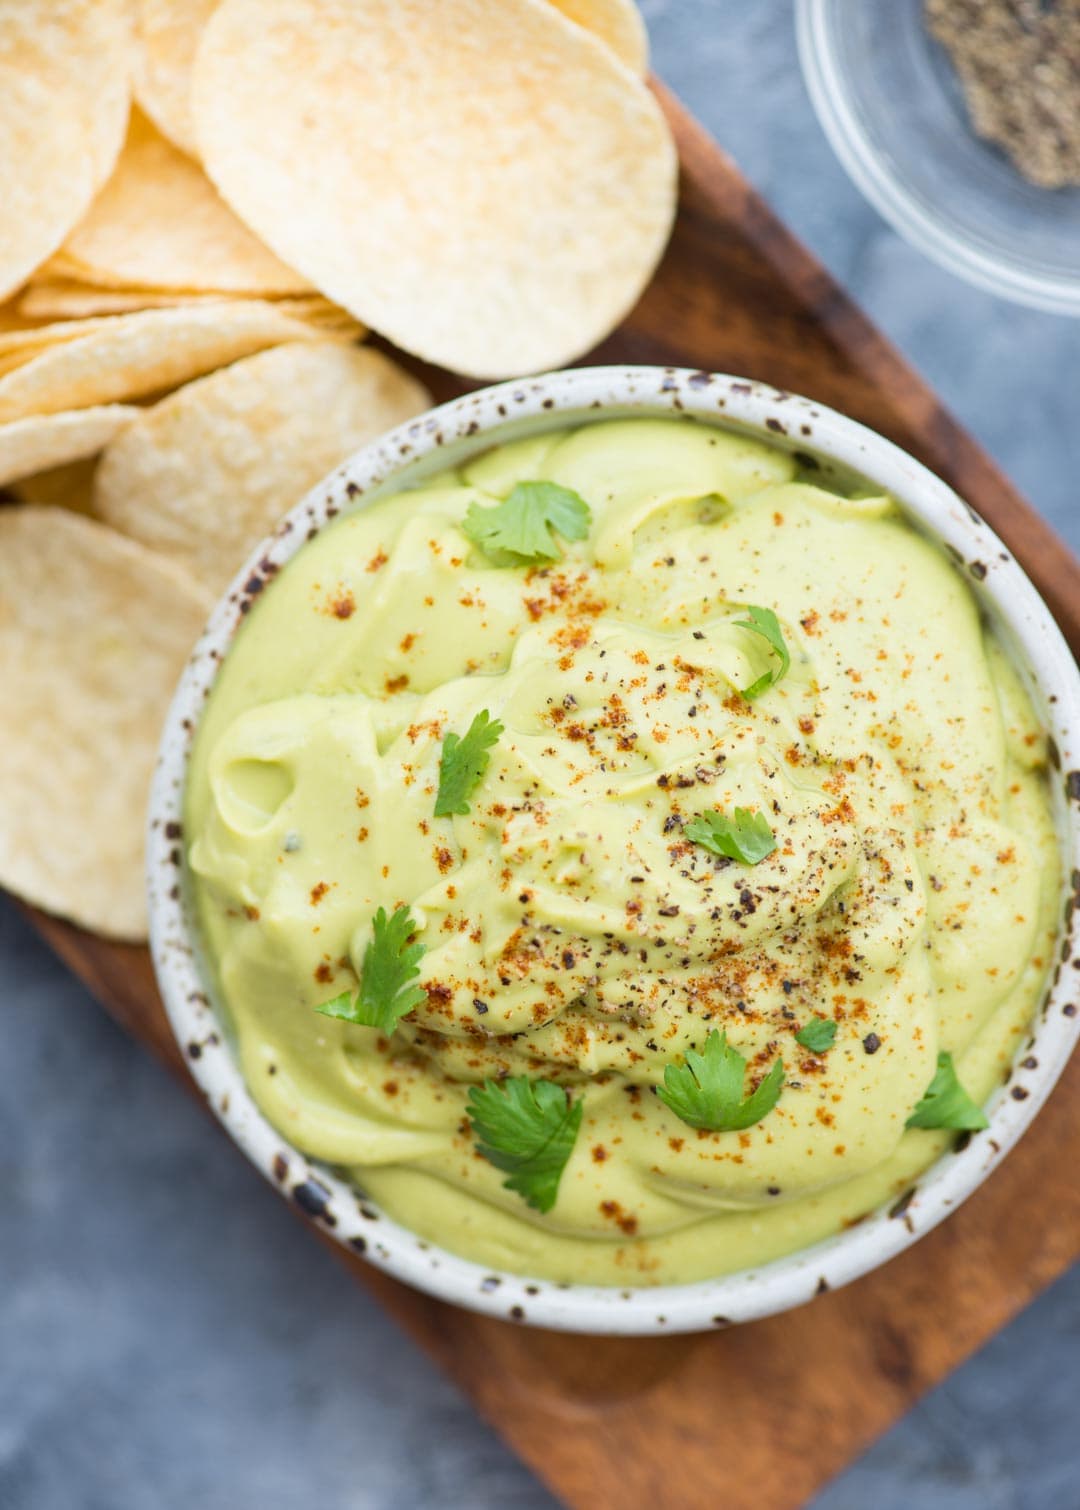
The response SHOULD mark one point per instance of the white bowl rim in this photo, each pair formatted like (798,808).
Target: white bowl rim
(994,271)
(472,424)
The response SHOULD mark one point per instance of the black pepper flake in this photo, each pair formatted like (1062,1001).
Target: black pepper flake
(1018,1093)
(871,1043)
(481,1006)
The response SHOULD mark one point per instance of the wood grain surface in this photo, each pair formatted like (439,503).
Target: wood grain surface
(759,1416)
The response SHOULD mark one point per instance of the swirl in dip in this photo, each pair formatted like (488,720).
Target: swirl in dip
(570,931)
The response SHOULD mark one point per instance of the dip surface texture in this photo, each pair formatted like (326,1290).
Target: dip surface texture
(571,931)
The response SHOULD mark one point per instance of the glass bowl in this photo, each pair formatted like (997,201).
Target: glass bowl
(891,105)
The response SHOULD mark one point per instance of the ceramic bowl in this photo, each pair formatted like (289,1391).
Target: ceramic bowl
(444,437)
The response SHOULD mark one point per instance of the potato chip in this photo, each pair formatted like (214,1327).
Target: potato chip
(49,440)
(69,299)
(64,68)
(22,340)
(68,487)
(160,223)
(14,319)
(480,180)
(618,23)
(66,299)
(166,35)
(313,309)
(125,356)
(206,473)
(94,631)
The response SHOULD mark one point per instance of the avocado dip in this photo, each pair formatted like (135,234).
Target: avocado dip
(630,859)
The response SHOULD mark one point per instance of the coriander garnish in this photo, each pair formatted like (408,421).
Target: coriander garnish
(945,1102)
(520,531)
(707,1091)
(745,836)
(526,1128)
(390,966)
(818,1035)
(763,622)
(463,763)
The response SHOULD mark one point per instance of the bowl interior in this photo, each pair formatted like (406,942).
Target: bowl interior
(850,455)
(890,101)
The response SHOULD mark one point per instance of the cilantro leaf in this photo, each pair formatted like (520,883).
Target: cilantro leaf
(391,965)
(526,1128)
(945,1102)
(343,1006)
(519,530)
(745,836)
(463,762)
(764,622)
(707,1091)
(818,1035)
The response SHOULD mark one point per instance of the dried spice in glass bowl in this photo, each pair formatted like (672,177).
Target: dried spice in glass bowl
(1018,62)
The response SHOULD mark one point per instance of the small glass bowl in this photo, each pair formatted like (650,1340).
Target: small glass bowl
(891,105)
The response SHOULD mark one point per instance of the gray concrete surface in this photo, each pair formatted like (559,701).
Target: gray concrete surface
(168,1338)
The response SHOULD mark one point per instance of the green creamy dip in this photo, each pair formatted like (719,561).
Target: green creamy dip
(570,932)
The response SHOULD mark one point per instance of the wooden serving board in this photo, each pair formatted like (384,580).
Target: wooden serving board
(628,1423)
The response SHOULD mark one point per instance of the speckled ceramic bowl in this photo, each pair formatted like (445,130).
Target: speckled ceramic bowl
(444,437)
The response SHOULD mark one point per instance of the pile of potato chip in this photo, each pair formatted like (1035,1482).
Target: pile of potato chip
(206,204)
